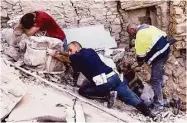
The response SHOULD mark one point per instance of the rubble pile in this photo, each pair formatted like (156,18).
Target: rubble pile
(39,96)
(31,53)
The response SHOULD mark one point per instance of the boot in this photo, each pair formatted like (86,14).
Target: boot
(158,109)
(143,109)
(112,99)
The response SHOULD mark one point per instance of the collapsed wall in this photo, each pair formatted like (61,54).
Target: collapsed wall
(115,15)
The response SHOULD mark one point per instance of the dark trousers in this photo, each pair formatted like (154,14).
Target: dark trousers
(157,72)
(113,84)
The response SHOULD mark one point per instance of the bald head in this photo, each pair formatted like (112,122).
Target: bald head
(74,47)
(131,26)
(131,29)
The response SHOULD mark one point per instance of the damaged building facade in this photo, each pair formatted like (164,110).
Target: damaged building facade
(115,15)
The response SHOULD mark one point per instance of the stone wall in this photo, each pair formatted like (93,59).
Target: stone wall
(115,15)
(179,26)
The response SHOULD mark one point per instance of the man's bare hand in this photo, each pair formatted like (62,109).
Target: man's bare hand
(52,52)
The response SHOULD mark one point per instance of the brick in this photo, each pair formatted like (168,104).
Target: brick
(181,28)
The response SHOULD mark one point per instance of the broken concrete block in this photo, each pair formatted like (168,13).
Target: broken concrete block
(147,94)
(12,90)
(33,108)
(13,53)
(13,21)
(8,35)
(45,42)
(33,57)
(36,53)
(100,38)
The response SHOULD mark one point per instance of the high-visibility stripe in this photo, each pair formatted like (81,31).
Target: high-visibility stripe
(154,42)
(158,53)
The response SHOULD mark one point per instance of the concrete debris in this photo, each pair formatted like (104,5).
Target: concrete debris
(34,57)
(14,21)
(100,37)
(13,53)
(114,17)
(8,36)
(147,94)
(40,108)
(12,89)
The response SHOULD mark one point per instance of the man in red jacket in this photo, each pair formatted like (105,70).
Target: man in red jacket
(36,21)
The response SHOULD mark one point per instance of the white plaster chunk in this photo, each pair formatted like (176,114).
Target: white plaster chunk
(13,53)
(91,37)
(33,57)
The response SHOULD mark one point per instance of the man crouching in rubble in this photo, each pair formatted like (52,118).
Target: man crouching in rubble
(104,81)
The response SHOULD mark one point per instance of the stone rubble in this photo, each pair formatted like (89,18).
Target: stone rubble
(115,15)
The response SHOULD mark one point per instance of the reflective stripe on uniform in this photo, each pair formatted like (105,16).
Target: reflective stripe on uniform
(158,53)
(154,42)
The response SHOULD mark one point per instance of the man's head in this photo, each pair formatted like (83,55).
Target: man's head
(74,47)
(131,29)
(28,20)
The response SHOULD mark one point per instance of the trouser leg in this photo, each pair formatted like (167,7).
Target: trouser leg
(157,72)
(127,95)
(100,90)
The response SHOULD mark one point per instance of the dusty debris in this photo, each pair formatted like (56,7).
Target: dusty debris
(34,106)
(13,53)
(12,89)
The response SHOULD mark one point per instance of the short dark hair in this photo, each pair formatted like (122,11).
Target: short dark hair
(75,43)
(27,20)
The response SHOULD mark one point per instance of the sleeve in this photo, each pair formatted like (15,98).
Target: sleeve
(75,62)
(62,58)
(140,49)
(139,46)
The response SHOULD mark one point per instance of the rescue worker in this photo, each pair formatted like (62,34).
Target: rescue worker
(105,82)
(152,47)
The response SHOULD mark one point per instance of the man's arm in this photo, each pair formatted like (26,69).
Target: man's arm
(62,58)
(32,31)
(64,54)
(18,30)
